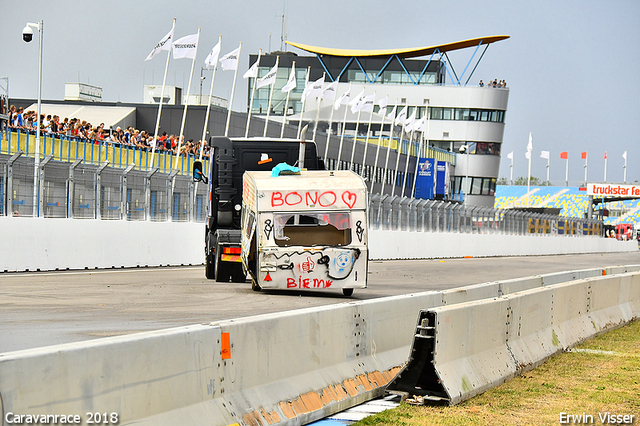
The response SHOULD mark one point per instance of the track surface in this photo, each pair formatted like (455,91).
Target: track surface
(41,309)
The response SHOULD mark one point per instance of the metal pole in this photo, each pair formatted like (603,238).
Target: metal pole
(157,129)
(36,166)
(233,90)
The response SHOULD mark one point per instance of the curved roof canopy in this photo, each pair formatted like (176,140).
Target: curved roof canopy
(402,53)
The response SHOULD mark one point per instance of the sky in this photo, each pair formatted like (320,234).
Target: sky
(572,66)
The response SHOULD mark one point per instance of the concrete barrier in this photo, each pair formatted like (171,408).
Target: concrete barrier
(49,244)
(288,368)
(464,349)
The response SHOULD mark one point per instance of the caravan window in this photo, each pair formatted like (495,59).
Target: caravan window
(312,228)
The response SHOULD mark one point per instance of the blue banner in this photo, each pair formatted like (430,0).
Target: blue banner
(425,179)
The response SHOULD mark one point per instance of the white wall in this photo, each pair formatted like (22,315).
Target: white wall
(48,244)
(417,245)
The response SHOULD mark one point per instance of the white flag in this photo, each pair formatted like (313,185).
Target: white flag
(392,115)
(367,102)
(544,154)
(212,58)
(624,155)
(230,60)
(291,83)
(253,70)
(527,155)
(314,89)
(164,44)
(419,126)
(383,105)
(400,119)
(408,124)
(269,78)
(510,155)
(185,47)
(329,92)
(529,145)
(355,102)
(342,100)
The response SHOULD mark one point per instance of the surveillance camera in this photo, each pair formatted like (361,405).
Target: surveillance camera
(27,34)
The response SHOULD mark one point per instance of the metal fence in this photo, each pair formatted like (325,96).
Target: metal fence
(84,183)
(86,191)
(411,214)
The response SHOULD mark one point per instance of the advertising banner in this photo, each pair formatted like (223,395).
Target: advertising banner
(425,179)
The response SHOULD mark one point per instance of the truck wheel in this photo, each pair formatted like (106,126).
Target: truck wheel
(210,268)
(347,291)
(255,286)
(238,275)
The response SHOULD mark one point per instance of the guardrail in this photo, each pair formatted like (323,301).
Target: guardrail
(287,368)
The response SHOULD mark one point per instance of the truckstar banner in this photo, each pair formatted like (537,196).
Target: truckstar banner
(612,189)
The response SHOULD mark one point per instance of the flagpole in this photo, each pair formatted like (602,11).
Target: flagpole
(375,162)
(415,172)
(319,102)
(386,162)
(344,124)
(304,98)
(625,166)
(326,147)
(395,177)
(253,91)
(406,167)
(186,104)
(164,82)
(366,141)
(585,169)
(206,120)
(605,166)
(355,135)
(233,90)
(266,124)
(529,151)
(286,105)
(566,173)
(547,171)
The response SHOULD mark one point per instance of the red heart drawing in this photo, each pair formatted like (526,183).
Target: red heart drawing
(349,198)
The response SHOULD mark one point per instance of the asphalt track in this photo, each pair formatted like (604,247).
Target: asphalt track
(42,309)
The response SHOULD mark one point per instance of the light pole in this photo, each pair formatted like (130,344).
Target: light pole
(27,36)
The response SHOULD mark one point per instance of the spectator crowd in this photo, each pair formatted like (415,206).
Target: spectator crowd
(494,83)
(76,129)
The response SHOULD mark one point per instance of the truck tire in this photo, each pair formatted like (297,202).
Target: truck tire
(210,268)
(347,291)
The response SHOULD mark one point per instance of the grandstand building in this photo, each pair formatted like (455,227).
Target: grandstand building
(460,115)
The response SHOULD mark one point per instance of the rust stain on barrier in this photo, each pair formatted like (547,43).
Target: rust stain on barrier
(316,400)
(364,382)
(312,401)
(271,417)
(252,419)
(351,387)
(287,410)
